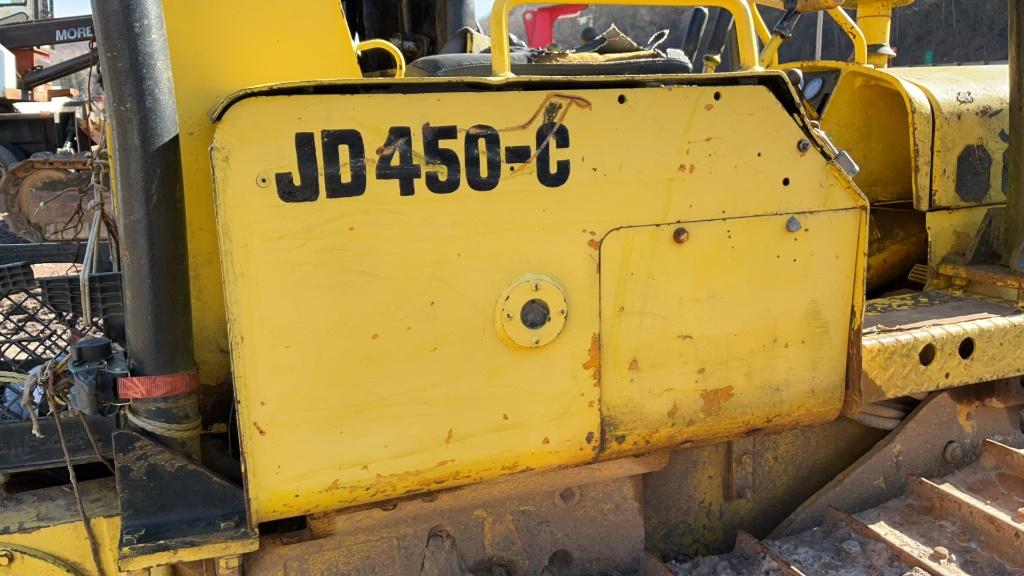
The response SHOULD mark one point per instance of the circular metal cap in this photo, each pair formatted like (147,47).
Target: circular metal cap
(531,312)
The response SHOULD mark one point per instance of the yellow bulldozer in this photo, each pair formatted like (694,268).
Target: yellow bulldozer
(404,298)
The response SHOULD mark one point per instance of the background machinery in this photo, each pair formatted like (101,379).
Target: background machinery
(433,303)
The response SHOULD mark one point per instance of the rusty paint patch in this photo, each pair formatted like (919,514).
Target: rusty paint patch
(593,362)
(259,428)
(334,485)
(715,399)
(595,244)
(448,439)
(673,411)
(504,417)
(546,440)
(965,416)
(634,364)
(375,336)
(709,107)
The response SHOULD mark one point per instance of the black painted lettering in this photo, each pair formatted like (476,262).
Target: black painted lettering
(308,187)
(335,185)
(475,175)
(444,158)
(398,144)
(552,135)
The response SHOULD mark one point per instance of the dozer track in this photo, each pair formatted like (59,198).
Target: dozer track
(968,523)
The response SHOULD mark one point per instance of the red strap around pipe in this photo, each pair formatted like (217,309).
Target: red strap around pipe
(157,386)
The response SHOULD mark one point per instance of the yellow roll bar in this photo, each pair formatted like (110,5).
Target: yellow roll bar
(860,42)
(501,61)
(378,44)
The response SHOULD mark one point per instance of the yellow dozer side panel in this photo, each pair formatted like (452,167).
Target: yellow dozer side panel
(430,285)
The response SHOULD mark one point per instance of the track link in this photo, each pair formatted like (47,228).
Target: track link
(970,523)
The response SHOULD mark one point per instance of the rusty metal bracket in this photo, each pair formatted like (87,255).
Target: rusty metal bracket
(172,509)
(741,469)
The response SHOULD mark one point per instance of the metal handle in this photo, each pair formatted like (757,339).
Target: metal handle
(860,42)
(378,44)
(501,59)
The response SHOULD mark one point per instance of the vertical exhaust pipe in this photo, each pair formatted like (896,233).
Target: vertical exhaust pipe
(141,108)
(1013,222)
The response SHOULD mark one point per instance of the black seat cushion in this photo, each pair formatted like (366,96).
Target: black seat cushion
(446,65)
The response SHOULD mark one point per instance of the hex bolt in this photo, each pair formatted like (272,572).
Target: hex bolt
(6,557)
(940,553)
(953,452)
(803,145)
(793,225)
(680,235)
(229,566)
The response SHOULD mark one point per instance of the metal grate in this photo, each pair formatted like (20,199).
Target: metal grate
(31,331)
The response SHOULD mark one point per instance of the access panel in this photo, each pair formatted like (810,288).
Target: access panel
(412,279)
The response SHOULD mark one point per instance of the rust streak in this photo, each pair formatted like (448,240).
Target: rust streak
(448,440)
(595,244)
(593,362)
(714,399)
(259,428)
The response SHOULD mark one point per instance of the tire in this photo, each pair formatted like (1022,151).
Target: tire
(9,156)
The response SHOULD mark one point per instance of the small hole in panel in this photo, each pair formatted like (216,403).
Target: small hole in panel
(560,560)
(785,181)
(622,98)
(718,95)
(535,314)
(967,348)
(927,354)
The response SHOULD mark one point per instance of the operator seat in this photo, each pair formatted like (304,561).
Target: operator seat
(610,54)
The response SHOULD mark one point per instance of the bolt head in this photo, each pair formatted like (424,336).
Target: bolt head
(680,235)
(793,225)
(804,145)
(6,557)
(940,553)
(953,452)
(1019,516)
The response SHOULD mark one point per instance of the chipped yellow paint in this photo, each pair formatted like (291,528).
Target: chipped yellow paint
(892,365)
(950,232)
(970,106)
(69,544)
(398,352)
(745,364)
(243,45)
(891,145)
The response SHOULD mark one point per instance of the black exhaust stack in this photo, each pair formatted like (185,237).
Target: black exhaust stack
(1013,222)
(139,90)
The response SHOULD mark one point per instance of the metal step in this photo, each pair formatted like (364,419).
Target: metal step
(970,523)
